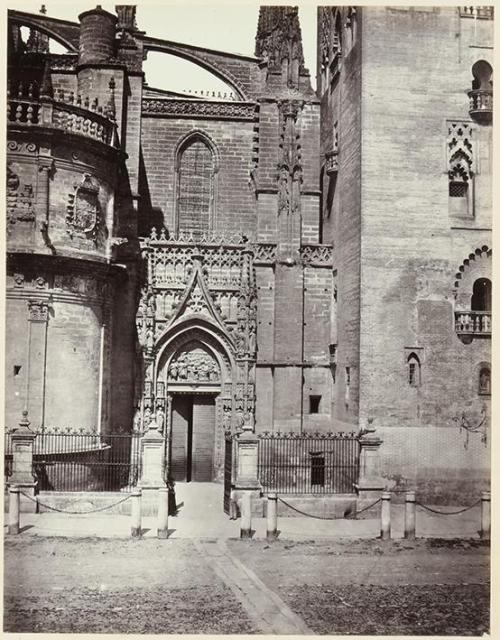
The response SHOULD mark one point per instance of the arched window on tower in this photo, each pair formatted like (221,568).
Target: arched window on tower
(195,187)
(413,370)
(481,295)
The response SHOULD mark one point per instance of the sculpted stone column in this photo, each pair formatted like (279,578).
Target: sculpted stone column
(22,463)
(370,482)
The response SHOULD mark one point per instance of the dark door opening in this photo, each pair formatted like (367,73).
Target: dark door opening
(193,437)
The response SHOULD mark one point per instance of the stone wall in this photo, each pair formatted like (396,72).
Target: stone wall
(413,244)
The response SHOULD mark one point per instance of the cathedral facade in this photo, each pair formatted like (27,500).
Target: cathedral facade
(276,259)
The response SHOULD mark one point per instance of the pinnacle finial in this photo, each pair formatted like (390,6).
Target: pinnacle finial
(43,9)
(111,106)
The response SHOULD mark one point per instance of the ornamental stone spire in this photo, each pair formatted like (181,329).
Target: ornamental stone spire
(279,44)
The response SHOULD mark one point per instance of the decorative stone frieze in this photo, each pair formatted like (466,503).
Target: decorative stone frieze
(199,109)
(317,255)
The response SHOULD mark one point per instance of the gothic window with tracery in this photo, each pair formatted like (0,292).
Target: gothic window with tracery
(196,170)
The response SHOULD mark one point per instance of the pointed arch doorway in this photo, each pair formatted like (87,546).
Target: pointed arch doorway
(195,374)
(192,437)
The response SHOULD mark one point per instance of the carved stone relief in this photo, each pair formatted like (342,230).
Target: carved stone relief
(20,199)
(193,363)
(82,217)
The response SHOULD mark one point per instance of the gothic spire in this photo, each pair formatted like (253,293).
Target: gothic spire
(278,36)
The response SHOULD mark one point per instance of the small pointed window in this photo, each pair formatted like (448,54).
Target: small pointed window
(413,370)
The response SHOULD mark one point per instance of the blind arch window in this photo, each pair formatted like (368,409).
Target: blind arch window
(195,190)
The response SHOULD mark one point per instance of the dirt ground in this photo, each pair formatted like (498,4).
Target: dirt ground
(152,586)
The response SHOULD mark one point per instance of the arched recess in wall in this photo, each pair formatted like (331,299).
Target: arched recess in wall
(481,295)
(196,165)
(484,379)
(179,72)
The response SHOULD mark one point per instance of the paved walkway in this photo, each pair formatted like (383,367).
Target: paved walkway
(201,516)
(266,609)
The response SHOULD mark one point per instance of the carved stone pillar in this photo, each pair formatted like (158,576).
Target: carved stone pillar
(153,458)
(370,483)
(247,447)
(22,463)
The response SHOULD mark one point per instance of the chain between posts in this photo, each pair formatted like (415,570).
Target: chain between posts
(310,515)
(447,513)
(75,513)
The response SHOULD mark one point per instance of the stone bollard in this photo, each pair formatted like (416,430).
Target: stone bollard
(162,526)
(246,515)
(272,517)
(485,515)
(410,515)
(135,528)
(385,516)
(13,527)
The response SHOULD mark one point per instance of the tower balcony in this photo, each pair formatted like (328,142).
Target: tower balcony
(68,113)
(473,323)
(481,105)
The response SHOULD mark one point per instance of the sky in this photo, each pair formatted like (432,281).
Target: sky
(227,27)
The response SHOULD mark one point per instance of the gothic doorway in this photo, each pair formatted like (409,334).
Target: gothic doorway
(192,437)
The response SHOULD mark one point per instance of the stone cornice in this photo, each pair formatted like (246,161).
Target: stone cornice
(199,109)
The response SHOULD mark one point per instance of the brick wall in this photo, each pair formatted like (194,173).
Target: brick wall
(234,201)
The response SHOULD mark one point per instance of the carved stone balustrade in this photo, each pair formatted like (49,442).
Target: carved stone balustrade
(477,323)
(81,117)
(485,12)
(481,105)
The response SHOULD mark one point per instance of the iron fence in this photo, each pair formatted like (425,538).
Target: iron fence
(311,463)
(82,460)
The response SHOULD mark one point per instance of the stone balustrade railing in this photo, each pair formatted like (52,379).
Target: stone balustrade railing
(481,103)
(477,12)
(67,112)
(473,322)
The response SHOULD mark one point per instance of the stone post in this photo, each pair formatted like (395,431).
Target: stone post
(136,514)
(370,483)
(13,526)
(272,517)
(22,463)
(153,463)
(410,515)
(247,482)
(385,516)
(162,518)
(485,515)
(246,515)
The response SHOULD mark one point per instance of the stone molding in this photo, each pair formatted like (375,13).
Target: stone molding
(199,109)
